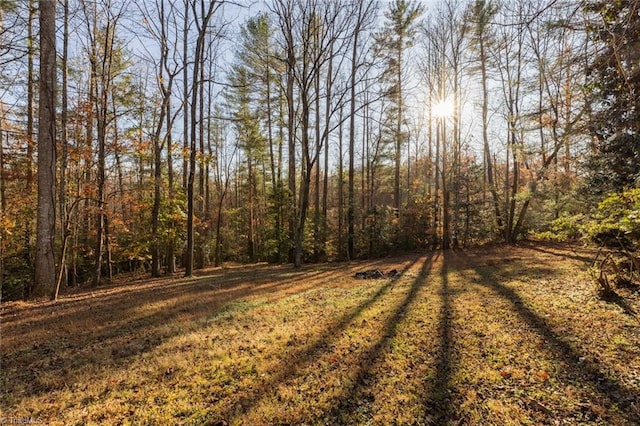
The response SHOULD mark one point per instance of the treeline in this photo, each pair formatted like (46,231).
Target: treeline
(311,130)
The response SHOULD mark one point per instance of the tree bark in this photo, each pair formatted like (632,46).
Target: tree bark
(200,42)
(45,268)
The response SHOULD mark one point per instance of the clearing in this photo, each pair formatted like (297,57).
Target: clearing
(492,336)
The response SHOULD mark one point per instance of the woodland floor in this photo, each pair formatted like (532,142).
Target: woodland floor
(488,336)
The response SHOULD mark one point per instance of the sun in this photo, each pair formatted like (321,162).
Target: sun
(443,108)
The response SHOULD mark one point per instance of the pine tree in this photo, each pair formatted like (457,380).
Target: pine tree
(395,38)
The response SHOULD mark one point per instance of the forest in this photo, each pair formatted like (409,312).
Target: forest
(172,135)
(320,212)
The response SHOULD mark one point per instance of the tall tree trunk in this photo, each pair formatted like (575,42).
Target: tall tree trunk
(185,95)
(31,87)
(488,160)
(316,194)
(305,178)
(351,198)
(437,198)
(250,235)
(291,142)
(3,199)
(200,205)
(157,181)
(275,174)
(101,107)
(398,130)
(208,212)
(340,248)
(64,161)
(196,84)
(282,248)
(45,268)
(325,143)
(446,236)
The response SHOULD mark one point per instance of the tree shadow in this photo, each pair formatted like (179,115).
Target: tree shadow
(610,389)
(108,331)
(344,406)
(302,357)
(549,248)
(438,402)
(613,297)
(437,405)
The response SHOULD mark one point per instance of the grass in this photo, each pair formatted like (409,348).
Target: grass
(490,336)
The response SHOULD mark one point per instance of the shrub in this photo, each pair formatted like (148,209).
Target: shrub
(616,223)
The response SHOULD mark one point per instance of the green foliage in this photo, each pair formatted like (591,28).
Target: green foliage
(415,223)
(617,221)
(379,236)
(172,220)
(7,6)
(567,227)
(18,277)
(613,85)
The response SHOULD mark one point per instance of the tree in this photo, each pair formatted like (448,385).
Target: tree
(45,268)
(202,19)
(31,88)
(481,13)
(395,38)
(614,84)
(255,116)
(250,139)
(443,73)
(365,13)
(166,73)
(105,59)
(309,32)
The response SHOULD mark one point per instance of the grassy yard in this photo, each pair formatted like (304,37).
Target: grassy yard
(489,336)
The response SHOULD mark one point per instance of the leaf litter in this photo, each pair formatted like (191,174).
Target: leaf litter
(487,336)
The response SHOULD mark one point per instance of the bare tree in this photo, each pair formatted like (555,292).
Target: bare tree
(364,14)
(202,16)
(158,27)
(104,65)
(480,17)
(309,32)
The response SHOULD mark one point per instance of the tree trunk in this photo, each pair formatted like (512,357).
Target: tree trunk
(200,210)
(340,248)
(250,235)
(488,160)
(200,42)
(398,130)
(291,143)
(351,199)
(31,87)
(45,268)
(64,161)
(3,200)
(185,95)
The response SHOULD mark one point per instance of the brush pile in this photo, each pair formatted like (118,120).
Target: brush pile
(375,274)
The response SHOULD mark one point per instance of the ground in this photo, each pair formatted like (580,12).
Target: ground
(496,335)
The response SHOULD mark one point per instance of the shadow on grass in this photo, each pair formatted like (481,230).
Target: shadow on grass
(438,402)
(587,372)
(302,357)
(348,401)
(107,331)
(613,297)
(562,250)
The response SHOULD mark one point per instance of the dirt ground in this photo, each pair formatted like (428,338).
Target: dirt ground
(489,336)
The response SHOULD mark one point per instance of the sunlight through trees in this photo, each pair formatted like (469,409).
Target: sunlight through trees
(304,131)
